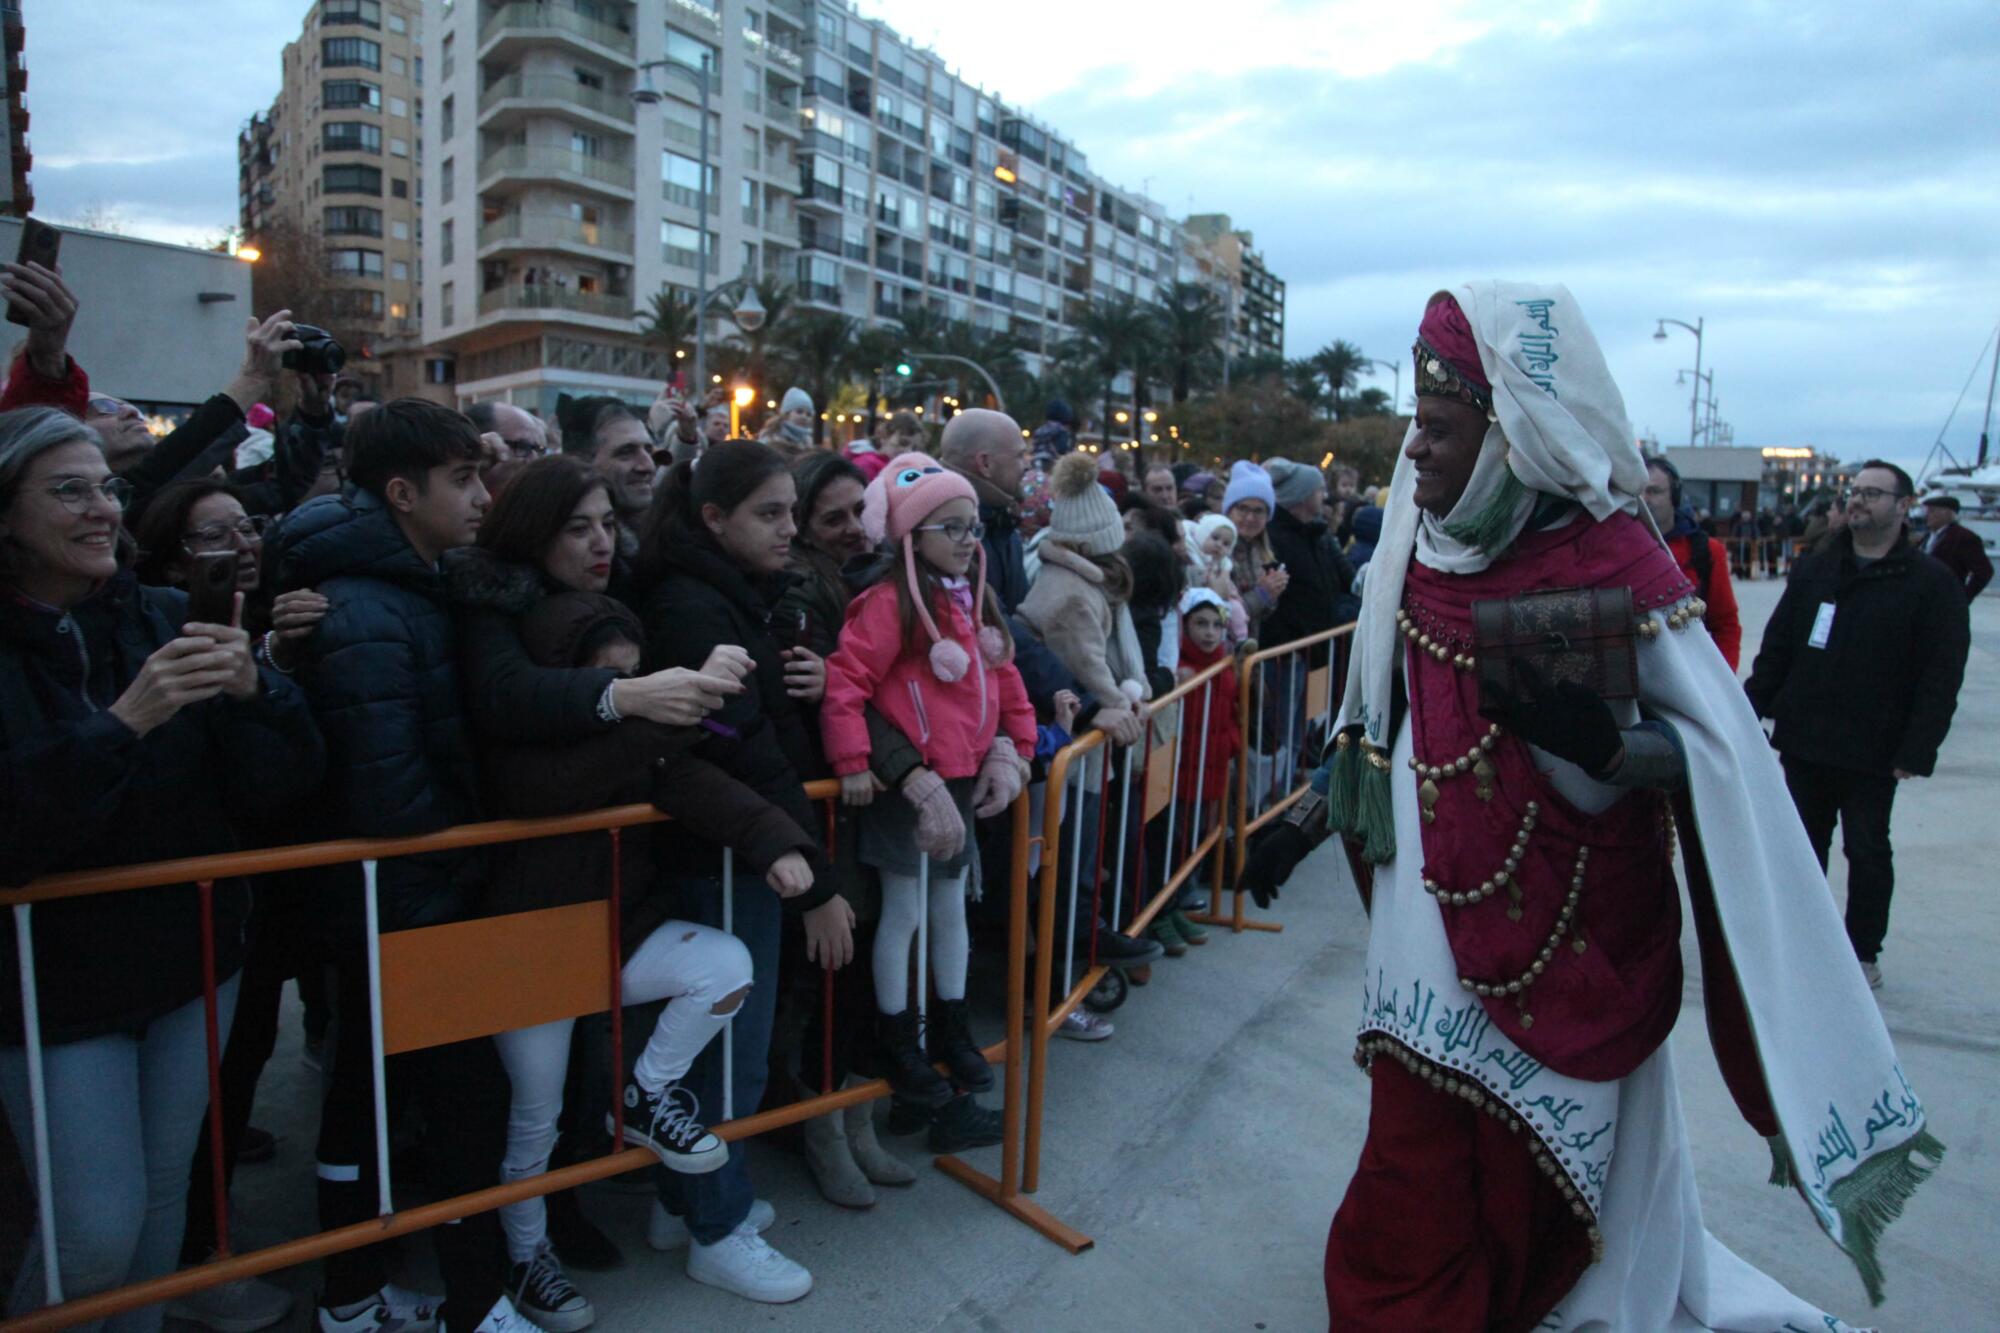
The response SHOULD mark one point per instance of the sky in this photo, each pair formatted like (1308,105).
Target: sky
(1818,185)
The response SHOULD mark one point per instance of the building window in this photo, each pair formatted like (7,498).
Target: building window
(399,231)
(352,220)
(397,65)
(343,94)
(352,179)
(368,13)
(399,270)
(397,23)
(445,241)
(398,107)
(398,189)
(445,186)
(682,178)
(449,118)
(588,79)
(399,148)
(350,136)
(397,310)
(588,145)
(447,305)
(355,263)
(685,50)
(678,245)
(338,51)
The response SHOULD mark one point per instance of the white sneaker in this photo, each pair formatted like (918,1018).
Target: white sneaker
(1080,1024)
(504,1318)
(742,1263)
(544,1293)
(242,1306)
(664,1231)
(393,1309)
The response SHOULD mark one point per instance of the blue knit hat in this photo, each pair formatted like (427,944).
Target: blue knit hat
(1248,481)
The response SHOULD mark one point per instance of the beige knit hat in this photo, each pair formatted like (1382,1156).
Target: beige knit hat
(1082,515)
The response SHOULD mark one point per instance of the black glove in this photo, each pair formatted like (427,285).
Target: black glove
(1277,853)
(1565,719)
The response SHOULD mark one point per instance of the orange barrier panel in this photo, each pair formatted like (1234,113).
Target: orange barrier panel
(561,948)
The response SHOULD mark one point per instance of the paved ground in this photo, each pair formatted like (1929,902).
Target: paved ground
(1205,1146)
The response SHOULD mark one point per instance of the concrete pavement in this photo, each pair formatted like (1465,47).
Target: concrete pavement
(1206,1145)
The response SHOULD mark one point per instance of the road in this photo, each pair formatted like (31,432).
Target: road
(1206,1145)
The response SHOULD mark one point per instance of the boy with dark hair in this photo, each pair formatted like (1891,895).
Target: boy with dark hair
(381,673)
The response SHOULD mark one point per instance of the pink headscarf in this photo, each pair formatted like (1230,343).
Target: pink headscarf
(1445,331)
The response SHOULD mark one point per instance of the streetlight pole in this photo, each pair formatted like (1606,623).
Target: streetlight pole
(1694,399)
(999,400)
(1395,368)
(648,96)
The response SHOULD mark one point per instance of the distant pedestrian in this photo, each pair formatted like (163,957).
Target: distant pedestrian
(1860,669)
(1955,546)
(1699,555)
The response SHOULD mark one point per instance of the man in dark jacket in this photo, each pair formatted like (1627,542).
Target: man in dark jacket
(382,677)
(1956,546)
(1319,595)
(1860,669)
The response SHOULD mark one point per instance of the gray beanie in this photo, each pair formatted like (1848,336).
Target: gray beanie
(795,397)
(1082,514)
(1293,483)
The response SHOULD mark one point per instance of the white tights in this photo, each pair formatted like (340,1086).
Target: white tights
(950,943)
(695,968)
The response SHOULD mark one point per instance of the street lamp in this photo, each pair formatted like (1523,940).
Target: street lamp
(647,95)
(1396,369)
(1694,400)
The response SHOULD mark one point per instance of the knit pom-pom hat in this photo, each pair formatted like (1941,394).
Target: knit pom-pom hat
(908,490)
(1081,515)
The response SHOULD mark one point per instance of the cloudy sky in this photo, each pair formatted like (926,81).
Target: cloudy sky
(1820,184)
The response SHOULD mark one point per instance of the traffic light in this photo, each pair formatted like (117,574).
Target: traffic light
(903,369)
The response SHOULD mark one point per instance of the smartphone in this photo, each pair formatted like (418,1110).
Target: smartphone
(40,243)
(212,588)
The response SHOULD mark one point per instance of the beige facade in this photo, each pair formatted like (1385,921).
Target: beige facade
(1227,259)
(340,154)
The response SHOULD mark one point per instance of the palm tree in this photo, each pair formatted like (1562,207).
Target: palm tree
(819,346)
(1190,325)
(1303,381)
(1111,337)
(1341,363)
(668,322)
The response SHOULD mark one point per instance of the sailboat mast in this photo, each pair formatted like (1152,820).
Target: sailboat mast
(1986,426)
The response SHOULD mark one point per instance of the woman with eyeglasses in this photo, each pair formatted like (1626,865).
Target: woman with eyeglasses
(126,736)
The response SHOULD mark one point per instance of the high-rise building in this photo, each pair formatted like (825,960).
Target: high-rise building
(15,196)
(337,159)
(1227,260)
(842,159)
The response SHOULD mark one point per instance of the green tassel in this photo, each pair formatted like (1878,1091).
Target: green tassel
(1873,1197)
(1342,786)
(1781,1162)
(1496,524)
(1376,818)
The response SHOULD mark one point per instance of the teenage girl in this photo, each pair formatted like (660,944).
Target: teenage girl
(930,649)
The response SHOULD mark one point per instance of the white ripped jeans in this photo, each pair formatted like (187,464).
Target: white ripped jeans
(693,967)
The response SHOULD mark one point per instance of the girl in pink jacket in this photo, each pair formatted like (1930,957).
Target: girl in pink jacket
(929,648)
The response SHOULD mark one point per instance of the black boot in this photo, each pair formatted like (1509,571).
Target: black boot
(964,1123)
(951,1042)
(906,1118)
(908,1072)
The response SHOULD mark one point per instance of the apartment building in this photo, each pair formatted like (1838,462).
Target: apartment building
(841,158)
(1218,254)
(339,154)
(15,196)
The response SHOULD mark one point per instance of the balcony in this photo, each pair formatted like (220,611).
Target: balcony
(689,199)
(518,232)
(521,164)
(513,28)
(510,98)
(545,296)
(694,16)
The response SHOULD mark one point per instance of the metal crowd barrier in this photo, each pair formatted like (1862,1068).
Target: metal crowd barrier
(578,960)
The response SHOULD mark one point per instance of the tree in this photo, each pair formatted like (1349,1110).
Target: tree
(1189,327)
(1340,363)
(1259,419)
(758,344)
(1370,403)
(1111,337)
(1258,366)
(1303,379)
(668,322)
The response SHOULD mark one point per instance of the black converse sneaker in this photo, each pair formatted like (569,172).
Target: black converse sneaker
(665,1122)
(542,1292)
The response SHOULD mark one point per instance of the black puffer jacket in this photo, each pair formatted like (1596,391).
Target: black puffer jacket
(1879,694)
(382,674)
(78,790)
(760,736)
(1319,595)
(507,695)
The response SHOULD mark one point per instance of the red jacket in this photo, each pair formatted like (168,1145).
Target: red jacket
(1724,626)
(952,723)
(1218,699)
(1959,549)
(28,387)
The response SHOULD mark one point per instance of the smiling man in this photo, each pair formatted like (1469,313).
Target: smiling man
(1527,1165)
